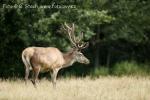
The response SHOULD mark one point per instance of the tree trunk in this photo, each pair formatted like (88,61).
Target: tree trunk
(96,64)
(108,57)
(97,48)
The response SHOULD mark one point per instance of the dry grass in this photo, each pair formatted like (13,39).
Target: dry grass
(103,88)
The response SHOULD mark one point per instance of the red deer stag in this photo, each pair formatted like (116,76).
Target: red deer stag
(41,59)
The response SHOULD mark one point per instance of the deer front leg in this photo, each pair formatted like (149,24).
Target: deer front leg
(54,76)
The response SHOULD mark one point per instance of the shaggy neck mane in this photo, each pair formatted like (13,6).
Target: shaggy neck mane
(69,58)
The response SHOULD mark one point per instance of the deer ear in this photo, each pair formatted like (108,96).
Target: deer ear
(86,44)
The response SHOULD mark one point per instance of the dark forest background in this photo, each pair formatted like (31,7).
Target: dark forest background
(118,32)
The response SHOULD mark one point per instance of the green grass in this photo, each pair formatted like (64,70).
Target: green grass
(103,71)
(129,68)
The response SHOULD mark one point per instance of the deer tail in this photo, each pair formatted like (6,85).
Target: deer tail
(26,61)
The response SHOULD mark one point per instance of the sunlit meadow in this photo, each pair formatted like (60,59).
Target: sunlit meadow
(102,88)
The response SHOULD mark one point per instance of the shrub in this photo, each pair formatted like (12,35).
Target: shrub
(100,71)
(128,68)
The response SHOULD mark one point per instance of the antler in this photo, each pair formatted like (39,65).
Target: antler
(77,42)
(70,32)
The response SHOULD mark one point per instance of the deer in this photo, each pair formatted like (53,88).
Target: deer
(51,59)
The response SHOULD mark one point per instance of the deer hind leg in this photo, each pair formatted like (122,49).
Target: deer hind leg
(27,70)
(35,75)
(27,64)
(54,76)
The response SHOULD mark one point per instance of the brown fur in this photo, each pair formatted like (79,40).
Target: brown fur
(41,59)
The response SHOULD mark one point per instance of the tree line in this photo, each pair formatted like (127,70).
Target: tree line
(117,30)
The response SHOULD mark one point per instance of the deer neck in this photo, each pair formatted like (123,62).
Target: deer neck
(69,58)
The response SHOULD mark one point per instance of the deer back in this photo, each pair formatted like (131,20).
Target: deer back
(47,57)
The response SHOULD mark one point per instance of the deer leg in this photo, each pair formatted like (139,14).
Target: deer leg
(36,73)
(33,75)
(27,70)
(54,76)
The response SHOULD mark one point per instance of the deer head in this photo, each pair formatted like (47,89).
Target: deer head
(77,43)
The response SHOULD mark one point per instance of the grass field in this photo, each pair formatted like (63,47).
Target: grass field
(103,88)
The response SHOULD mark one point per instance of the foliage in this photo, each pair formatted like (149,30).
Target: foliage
(127,68)
(131,20)
(117,30)
(100,71)
(130,68)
